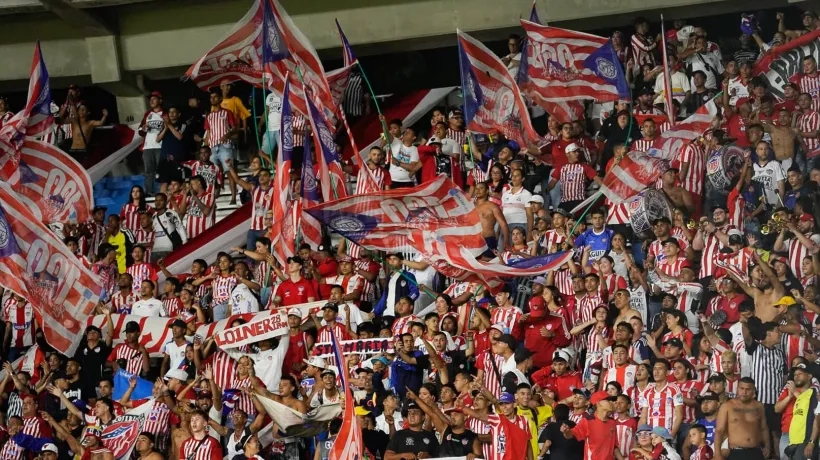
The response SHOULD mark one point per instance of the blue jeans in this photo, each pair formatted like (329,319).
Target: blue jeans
(253,235)
(270,140)
(264,296)
(150,160)
(220,311)
(222,154)
(555,196)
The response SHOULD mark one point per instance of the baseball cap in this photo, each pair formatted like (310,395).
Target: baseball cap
(294,312)
(178,374)
(453,409)
(328,371)
(806,217)
(522,354)
(509,340)
(686,264)
(94,328)
(178,323)
(674,343)
(315,361)
(330,306)
(598,396)
(571,148)
(454,112)
(562,355)
(560,211)
(709,396)
(499,327)
(382,360)
(735,239)
(296,260)
(663,219)
(537,199)
(506,398)
(582,391)
(786,301)
(156,94)
(540,280)
(643,428)
(132,326)
(672,34)
(49,447)
(345,259)
(662,432)
(323,248)
(809,13)
(359,410)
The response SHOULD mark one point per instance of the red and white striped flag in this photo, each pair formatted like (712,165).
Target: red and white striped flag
(120,436)
(348,444)
(667,79)
(284,222)
(40,268)
(53,184)
(331,175)
(492,101)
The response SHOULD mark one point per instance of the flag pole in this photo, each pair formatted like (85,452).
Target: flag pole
(667,75)
(375,99)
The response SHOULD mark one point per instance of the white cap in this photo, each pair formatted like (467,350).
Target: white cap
(50,447)
(734,231)
(315,361)
(294,312)
(500,327)
(537,199)
(571,148)
(178,374)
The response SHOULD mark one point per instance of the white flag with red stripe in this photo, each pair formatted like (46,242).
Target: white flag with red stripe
(40,268)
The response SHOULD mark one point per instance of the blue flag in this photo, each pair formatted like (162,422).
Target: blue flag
(547,262)
(310,189)
(8,242)
(471,92)
(121,379)
(604,63)
(274,47)
(533,16)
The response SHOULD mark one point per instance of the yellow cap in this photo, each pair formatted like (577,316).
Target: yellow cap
(359,410)
(787,301)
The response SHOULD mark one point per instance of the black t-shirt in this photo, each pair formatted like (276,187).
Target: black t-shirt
(413,442)
(561,448)
(375,441)
(456,445)
(443,165)
(93,360)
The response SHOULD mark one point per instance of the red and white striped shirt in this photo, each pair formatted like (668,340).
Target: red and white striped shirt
(612,283)
(299,122)
(642,48)
(140,272)
(498,446)
(11,451)
(244,401)
(197,449)
(364,183)
(145,238)
(478,427)
(563,281)
(20,316)
(217,124)
(262,200)
(490,382)
(573,177)
(349,284)
(402,325)
(703,375)
(711,247)
(690,388)
(642,145)
(660,404)
(457,135)
(130,216)
(369,289)
(196,221)
(508,316)
(263,274)
(173,305)
(36,427)
(122,304)
(625,432)
(222,287)
(636,394)
(224,368)
(656,249)
(670,268)
(211,173)
(809,122)
(92,243)
(157,420)
(809,84)
(132,357)
(695,157)
(593,344)
(624,375)
(798,252)
(552,239)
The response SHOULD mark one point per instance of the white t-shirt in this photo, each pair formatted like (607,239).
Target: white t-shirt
(514,205)
(153,125)
(448,146)
(355,316)
(150,307)
(737,90)
(698,61)
(381,423)
(403,154)
(274,105)
(242,300)
(176,353)
(680,86)
(768,176)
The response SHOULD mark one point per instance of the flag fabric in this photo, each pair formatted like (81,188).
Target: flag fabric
(309,228)
(53,185)
(549,262)
(637,169)
(331,175)
(348,444)
(143,390)
(283,246)
(297,424)
(347,52)
(436,219)
(38,104)
(565,65)
(492,101)
(230,396)
(783,62)
(533,15)
(39,267)
(667,79)
(120,436)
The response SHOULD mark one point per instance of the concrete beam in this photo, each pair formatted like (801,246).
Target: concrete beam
(76,17)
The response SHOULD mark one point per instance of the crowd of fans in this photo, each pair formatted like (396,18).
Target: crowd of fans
(695,339)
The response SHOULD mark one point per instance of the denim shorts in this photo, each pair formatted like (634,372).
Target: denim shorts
(222,154)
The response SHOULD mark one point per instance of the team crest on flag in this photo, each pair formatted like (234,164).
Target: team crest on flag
(120,436)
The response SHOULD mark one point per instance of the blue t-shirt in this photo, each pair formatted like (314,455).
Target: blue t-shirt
(600,243)
(710,430)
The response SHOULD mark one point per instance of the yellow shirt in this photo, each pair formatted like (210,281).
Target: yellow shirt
(544,414)
(234,105)
(118,240)
(800,417)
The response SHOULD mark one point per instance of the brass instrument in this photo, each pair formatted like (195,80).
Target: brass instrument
(691,224)
(775,225)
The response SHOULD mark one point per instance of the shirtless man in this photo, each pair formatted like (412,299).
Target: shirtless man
(625,310)
(784,137)
(490,215)
(679,197)
(810,24)
(82,128)
(145,447)
(742,421)
(765,289)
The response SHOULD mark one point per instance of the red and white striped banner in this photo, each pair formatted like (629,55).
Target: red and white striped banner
(41,269)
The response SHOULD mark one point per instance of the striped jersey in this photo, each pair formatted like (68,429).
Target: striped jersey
(809,122)
(498,446)
(200,449)
(364,184)
(573,177)
(695,157)
(624,375)
(97,236)
(141,272)
(36,427)
(122,303)
(173,306)
(491,381)
(551,239)
(402,324)
(157,421)
(809,84)
(349,283)
(508,316)
(625,432)
(132,357)
(711,247)
(11,451)
(130,216)
(196,221)
(457,135)
(660,404)
(642,145)
(218,123)
(262,200)
(20,317)
(222,287)
(369,289)
(656,248)
(690,388)
(642,50)
(798,252)
(145,238)
(211,173)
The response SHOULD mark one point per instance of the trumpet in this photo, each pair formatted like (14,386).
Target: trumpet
(691,224)
(775,225)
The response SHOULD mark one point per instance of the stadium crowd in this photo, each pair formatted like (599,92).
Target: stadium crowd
(693,338)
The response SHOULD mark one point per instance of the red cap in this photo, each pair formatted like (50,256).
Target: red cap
(671,34)
(597,397)
(742,101)
(686,264)
(806,217)
(156,94)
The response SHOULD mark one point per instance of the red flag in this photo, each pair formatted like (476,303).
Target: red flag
(783,62)
(40,268)
(492,101)
(348,444)
(52,183)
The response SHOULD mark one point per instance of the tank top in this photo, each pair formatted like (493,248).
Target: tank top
(236,447)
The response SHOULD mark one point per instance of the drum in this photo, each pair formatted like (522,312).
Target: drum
(644,208)
(724,165)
